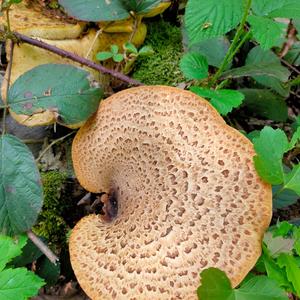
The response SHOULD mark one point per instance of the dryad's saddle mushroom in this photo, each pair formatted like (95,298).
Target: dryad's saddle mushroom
(182,196)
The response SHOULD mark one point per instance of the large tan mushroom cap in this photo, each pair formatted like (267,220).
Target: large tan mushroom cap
(188,197)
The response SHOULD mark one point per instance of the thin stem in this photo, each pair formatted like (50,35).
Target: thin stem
(235,45)
(93,42)
(52,144)
(294,82)
(43,247)
(74,57)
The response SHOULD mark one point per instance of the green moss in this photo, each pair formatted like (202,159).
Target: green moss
(163,66)
(51,224)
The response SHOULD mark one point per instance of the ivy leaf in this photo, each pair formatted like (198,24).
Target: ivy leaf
(216,285)
(10,248)
(223,100)
(292,270)
(266,104)
(211,18)
(272,70)
(104,55)
(20,187)
(19,284)
(270,147)
(292,180)
(95,10)
(64,90)
(258,56)
(275,8)
(194,66)
(266,31)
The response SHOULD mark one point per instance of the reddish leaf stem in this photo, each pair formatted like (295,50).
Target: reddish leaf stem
(86,62)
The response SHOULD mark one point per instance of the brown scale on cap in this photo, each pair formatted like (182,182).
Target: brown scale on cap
(188,197)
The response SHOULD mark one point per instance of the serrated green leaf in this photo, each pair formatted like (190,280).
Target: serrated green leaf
(215,285)
(95,10)
(282,229)
(275,8)
(266,104)
(223,100)
(10,248)
(282,197)
(194,66)
(270,147)
(257,56)
(292,180)
(272,70)
(104,55)
(211,18)
(21,194)
(266,31)
(146,51)
(213,49)
(130,48)
(118,57)
(292,270)
(19,284)
(278,245)
(64,89)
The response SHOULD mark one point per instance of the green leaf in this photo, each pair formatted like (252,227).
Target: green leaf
(266,104)
(223,100)
(95,10)
(104,55)
(114,49)
(266,31)
(216,286)
(257,56)
(211,18)
(273,70)
(270,147)
(19,284)
(292,180)
(293,56)
(275,8)
(292,270)
(282,229)
(146,51)
(118,57)
(295,139)
(140,7)
(213,49)
(130,48)
(47,270)
(194,66)
(283,198)
(10,248)
(296,236)
(21,194)
(278,245)
(66,90)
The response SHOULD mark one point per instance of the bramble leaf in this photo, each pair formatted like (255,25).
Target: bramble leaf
(292,270)
(10,248)
(270,147)
(216,285)
(194,66)
(19,284)
(223,100)
(20,187)
(211,18)
(66,91)
(266,31)
(292,179)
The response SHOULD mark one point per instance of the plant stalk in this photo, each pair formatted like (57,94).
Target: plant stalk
(235,45)
(76,58)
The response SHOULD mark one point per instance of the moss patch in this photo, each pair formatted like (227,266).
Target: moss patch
(163,66)
(51,224)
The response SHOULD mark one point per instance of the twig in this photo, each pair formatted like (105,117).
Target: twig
(52,144)
(74,57)
(289,65)
(93,43)
(43,247)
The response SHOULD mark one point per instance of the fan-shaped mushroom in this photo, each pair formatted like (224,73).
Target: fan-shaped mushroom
(182,195)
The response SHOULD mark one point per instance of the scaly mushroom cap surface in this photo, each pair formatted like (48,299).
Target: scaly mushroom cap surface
(188,197)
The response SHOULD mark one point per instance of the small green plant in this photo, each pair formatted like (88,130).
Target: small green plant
(16,283)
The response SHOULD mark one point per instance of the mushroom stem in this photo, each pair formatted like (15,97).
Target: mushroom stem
(43,247)
(74,57)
